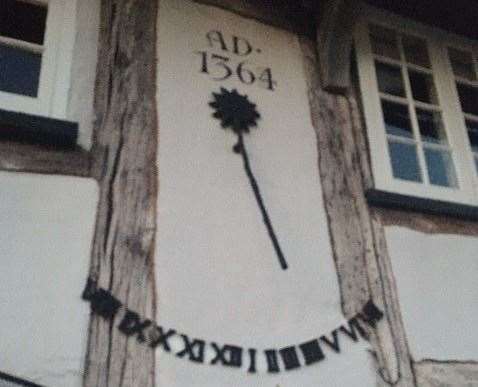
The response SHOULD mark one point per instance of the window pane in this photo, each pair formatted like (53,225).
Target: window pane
(22,20)
(440,168)
(384,42)
(19,71)
(476,163)
(462,64)
(404,161)
(473,134)
(468,98)
(389,79)
(423,88)
(431,126)
(397,119)
(416,51)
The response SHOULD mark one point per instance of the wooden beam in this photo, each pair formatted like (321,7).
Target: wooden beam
(124,163)
(436,373)
(357,235)
(336,21)
(427,223)
(18,157)
(293,16)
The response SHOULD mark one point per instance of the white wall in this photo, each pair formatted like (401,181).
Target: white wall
(46,228)
(217,274)
(437,279)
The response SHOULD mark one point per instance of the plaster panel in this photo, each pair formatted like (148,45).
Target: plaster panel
(218,277)
(46,225)
(437,280)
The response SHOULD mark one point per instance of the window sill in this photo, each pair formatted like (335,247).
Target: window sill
(392,200)
(13,380)
(30,129)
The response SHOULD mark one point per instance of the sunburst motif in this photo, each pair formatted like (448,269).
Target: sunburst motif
(234,110)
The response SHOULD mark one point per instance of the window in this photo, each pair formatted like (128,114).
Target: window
(420,96)
(48,58)
(22,33)
(465,72)
(35,55)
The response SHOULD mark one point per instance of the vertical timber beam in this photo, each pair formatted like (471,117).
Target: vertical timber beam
(336,21)
(124,163)
(357,237)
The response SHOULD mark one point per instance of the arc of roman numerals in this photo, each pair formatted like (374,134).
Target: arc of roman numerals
(287,358)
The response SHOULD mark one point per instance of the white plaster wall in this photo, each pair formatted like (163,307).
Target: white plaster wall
(437,279)
(46,228)
(218,278)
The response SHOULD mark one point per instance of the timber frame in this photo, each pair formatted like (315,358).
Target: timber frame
(123,161)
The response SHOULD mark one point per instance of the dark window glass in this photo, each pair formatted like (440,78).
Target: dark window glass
(416,51)
(397,119)
(423,89)
(384,42)
(468,98)
(473,134)
(431,126)
(23,21)
(19,71)
(404,161)
(462,64)
(440,168)
(389,79)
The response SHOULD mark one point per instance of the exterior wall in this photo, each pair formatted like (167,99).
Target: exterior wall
(217,274)
(436,279)
(194,255)
(46,225)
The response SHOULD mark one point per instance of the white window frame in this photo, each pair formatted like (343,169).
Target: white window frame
(438,42)
(55,72)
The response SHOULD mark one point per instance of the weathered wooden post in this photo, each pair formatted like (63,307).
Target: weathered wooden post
(124,163)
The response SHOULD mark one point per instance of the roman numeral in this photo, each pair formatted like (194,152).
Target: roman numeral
(192,348)
(227,355)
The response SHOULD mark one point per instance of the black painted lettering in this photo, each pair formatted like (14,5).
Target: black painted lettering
(204,66)
(332,343)
(241,46)
(290,358)
(104,304)
(194,349)
(158,337)
(371,314)
(214,38)
(272,363)
(90,290)
(221,61)
(131,324)
(266,79)
(227,355)
(312,352)
(353,326)
(244,74)
(252,361)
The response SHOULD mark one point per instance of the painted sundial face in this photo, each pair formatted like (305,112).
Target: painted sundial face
(218,273)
